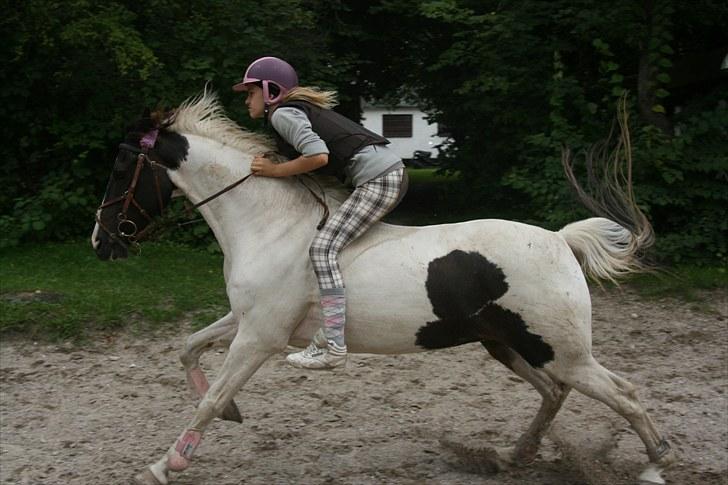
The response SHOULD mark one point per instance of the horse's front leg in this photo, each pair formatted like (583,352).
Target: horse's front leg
(253,344)
(219,334)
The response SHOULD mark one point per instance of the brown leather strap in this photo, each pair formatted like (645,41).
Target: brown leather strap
(218,194)
(321,201)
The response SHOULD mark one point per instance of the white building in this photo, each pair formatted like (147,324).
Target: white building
(405,126)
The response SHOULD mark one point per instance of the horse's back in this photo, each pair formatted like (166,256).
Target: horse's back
(525,253)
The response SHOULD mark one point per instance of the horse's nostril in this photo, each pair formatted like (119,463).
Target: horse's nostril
(103,251)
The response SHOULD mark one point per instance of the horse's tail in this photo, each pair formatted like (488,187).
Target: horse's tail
(607,249)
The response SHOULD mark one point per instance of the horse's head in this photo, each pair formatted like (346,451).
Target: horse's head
(139,188)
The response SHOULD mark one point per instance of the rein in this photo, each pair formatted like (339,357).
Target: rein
(318,199)
(127,199)
(218,194)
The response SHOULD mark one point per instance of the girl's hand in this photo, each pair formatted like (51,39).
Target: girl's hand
(264,167)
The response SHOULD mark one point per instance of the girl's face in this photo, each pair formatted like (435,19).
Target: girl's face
(254,101)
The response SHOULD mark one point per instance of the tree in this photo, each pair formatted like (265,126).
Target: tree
(515,81)
(79,72)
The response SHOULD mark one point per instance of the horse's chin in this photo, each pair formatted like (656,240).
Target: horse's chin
(109,251)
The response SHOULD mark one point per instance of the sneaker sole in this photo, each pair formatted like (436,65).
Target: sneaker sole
(335,367)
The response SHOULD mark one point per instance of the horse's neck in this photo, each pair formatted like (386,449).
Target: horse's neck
(261,213)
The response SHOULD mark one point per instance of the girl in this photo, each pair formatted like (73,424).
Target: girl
(317,139)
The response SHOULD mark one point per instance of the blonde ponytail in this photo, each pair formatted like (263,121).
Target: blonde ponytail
(313,95)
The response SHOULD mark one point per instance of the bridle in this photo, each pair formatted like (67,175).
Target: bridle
(128,229)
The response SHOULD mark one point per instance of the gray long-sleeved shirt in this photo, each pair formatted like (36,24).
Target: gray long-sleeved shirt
(370,162)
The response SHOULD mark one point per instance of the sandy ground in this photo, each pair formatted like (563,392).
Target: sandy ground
(99,414)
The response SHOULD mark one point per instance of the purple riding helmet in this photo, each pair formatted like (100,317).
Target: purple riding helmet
(269,70)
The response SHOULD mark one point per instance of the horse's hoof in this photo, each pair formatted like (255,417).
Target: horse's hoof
(651,476)
(177,462)
(231,413)
(481,460)
(146,478)
(496,459)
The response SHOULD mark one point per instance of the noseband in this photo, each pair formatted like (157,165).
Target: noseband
(126,227)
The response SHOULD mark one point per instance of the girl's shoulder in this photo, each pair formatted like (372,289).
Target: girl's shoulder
(288,118)
(288,112)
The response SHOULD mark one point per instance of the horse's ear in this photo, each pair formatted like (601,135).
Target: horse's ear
(168,118)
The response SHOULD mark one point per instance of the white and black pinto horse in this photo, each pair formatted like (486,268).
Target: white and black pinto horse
(520,290)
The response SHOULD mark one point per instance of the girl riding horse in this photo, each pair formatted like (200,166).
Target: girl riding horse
(317,139)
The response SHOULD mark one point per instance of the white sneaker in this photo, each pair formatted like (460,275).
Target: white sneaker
(314,357)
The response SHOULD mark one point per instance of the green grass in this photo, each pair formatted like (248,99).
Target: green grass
(63,290)
(684,282)
(418,176)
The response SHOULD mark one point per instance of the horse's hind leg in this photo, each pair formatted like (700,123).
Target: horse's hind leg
(593,380)
(218,334)
(553,394)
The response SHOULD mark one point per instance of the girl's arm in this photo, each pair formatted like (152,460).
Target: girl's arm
(264,167)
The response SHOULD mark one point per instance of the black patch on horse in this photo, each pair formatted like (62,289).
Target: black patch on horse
(462,288)
(171,149)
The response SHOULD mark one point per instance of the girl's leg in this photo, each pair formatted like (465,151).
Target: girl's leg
(365,206)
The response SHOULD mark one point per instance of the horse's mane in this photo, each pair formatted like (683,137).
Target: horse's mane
(203,115)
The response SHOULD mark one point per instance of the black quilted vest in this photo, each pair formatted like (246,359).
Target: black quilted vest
(342,136)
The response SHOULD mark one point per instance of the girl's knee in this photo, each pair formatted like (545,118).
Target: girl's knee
(317,253)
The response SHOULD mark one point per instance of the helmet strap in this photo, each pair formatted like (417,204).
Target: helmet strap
(266,92)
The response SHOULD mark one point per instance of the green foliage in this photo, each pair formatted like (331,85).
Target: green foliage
(512,81)
(78,72)
(683,182)
(52,213)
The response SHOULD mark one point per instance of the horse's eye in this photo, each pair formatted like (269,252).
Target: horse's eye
(121,166)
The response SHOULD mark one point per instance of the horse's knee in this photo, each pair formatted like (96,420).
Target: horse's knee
(188,356)
(557,392)
(628,402)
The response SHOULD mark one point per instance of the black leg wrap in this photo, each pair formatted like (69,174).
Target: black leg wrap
(663,449)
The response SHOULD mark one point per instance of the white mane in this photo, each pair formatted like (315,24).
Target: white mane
(203,115)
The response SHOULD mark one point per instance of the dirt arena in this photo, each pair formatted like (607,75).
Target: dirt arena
(99,414)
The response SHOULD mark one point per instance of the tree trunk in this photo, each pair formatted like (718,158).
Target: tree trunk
(646,82)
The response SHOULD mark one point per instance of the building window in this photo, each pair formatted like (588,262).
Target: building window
(397,126)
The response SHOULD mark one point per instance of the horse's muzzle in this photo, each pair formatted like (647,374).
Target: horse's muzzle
(109,249)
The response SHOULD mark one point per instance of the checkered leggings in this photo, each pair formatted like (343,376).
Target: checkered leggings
(366,205)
